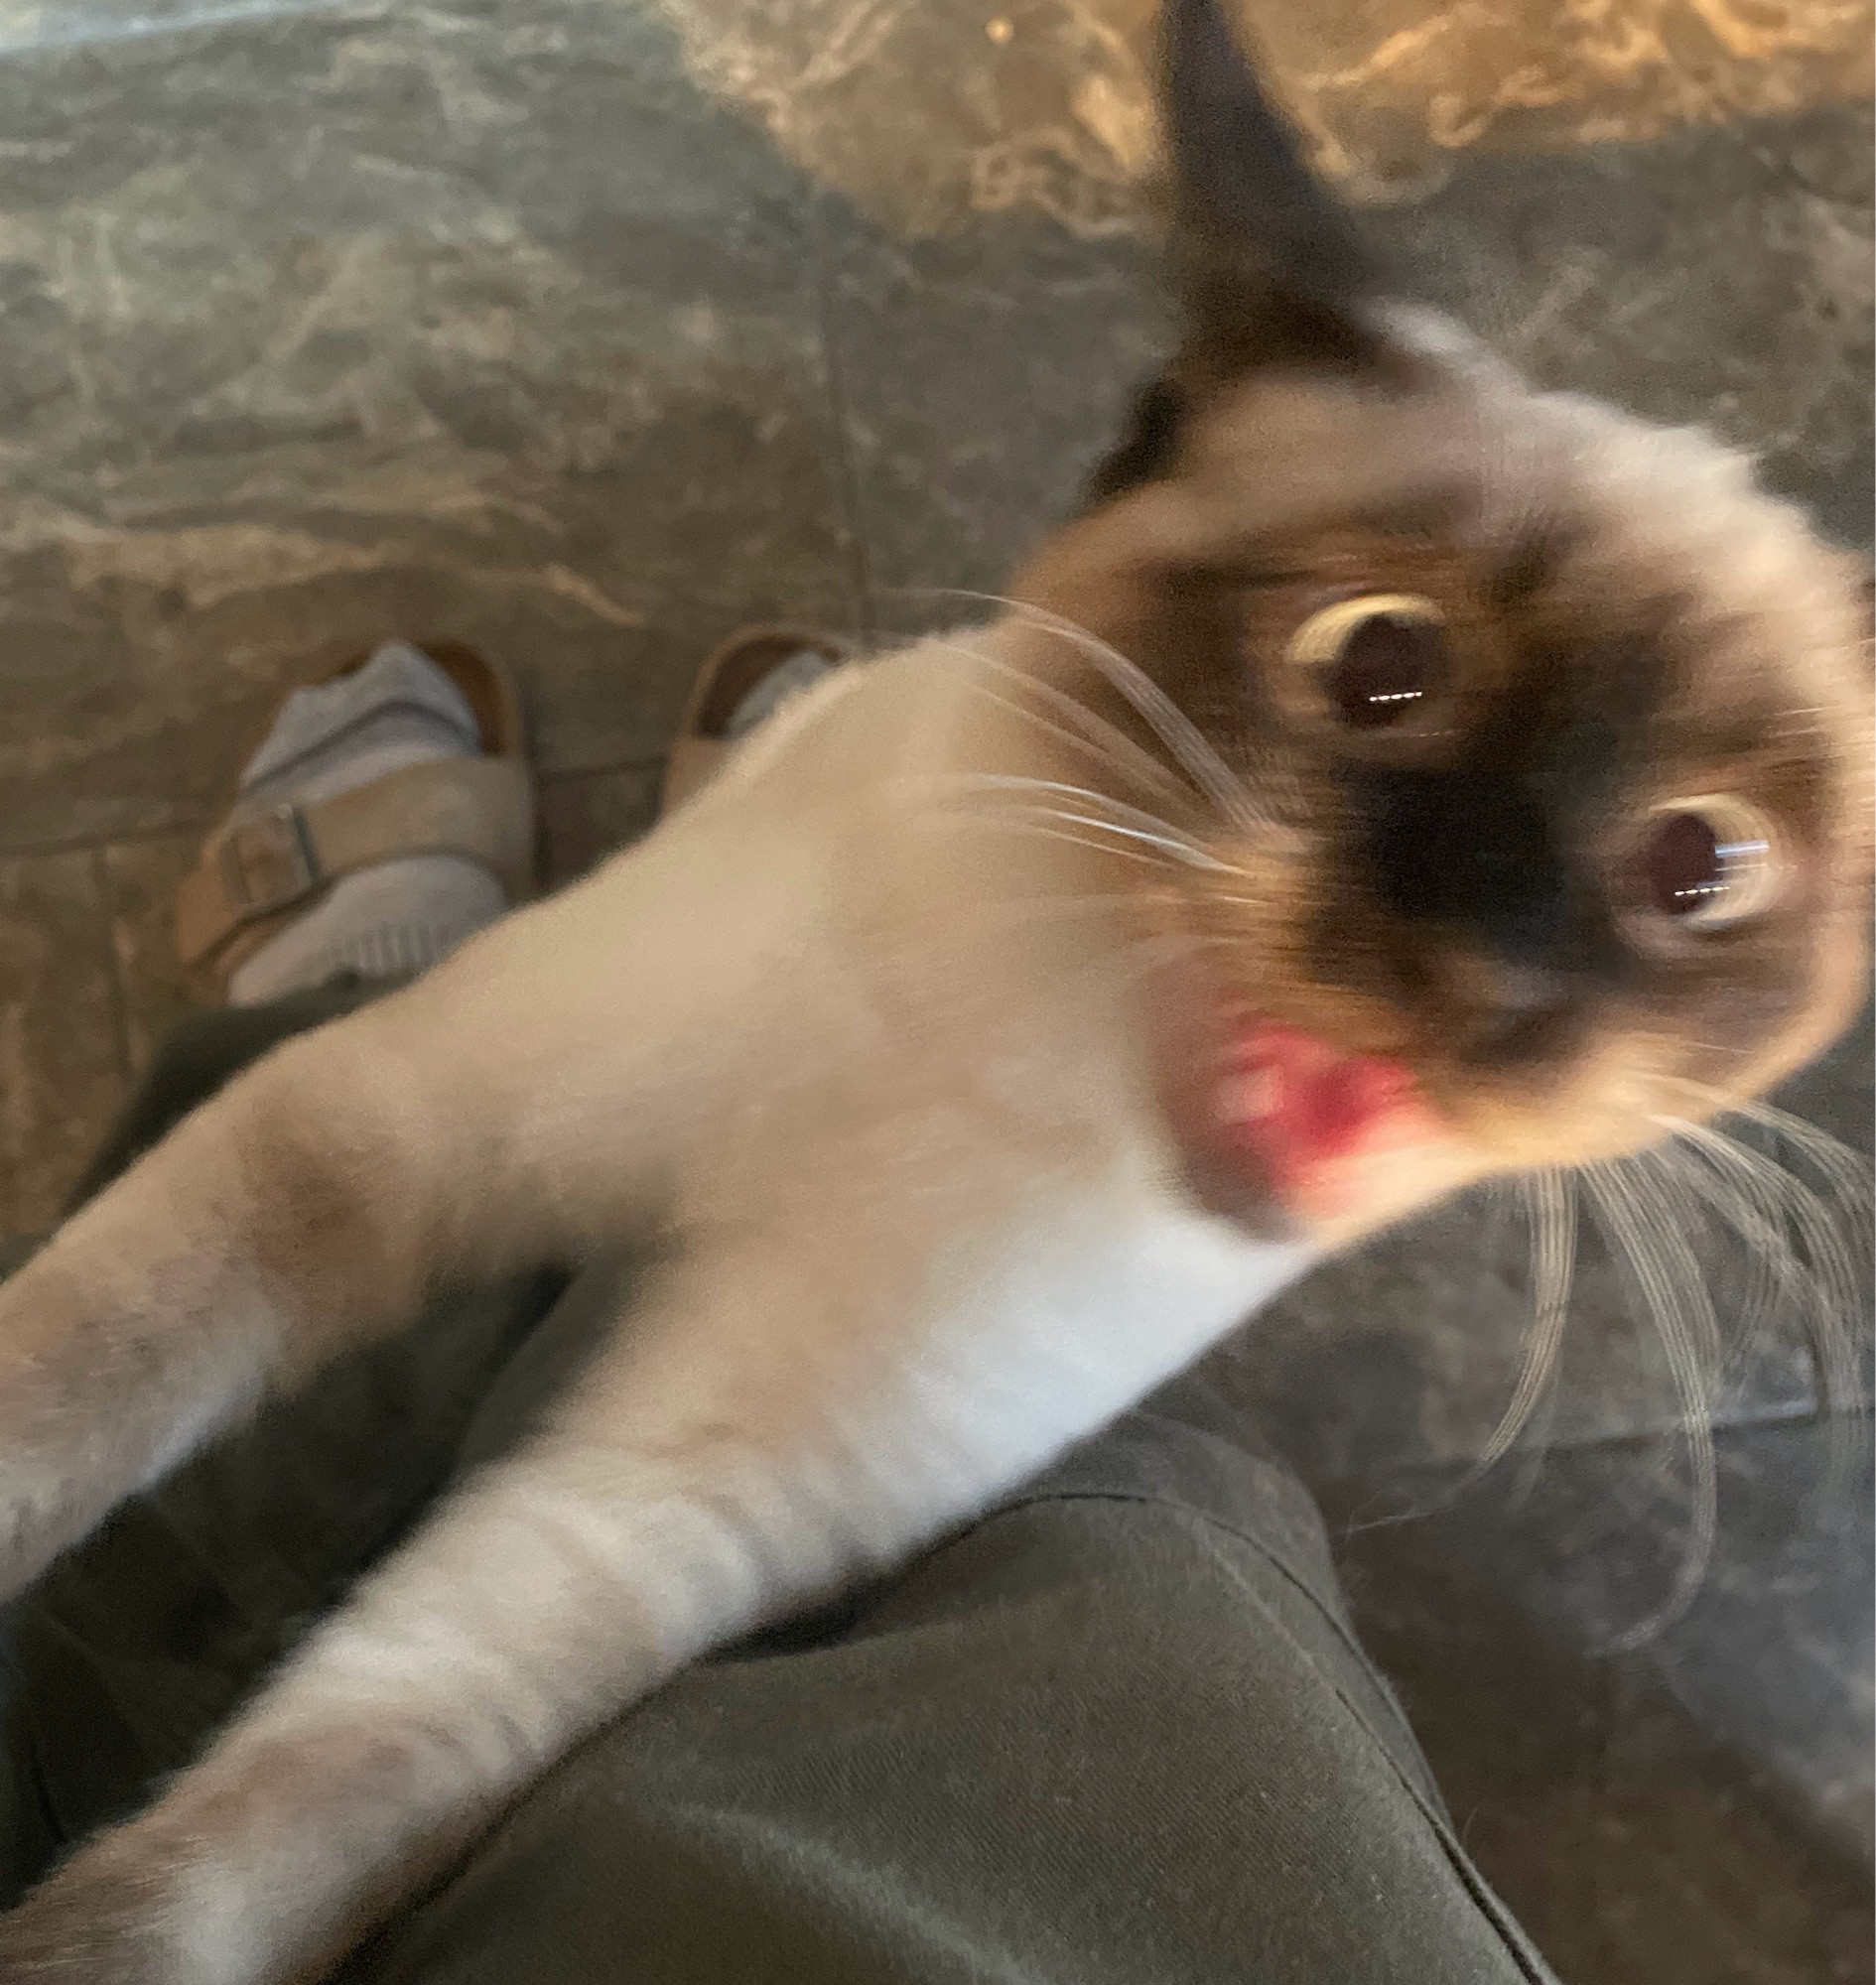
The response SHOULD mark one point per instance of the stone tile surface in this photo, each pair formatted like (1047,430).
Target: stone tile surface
(587,816)
(139,884)
(490,324)
(935,115)
(981,378)
(1722,278)
(1774,1660)
(330,323)
(1691,1812)
(61,1070)
(479,322)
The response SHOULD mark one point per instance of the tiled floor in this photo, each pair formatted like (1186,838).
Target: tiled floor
(1691,1813)
(585,330)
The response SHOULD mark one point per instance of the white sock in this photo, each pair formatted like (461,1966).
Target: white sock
(786,680)
(397,916)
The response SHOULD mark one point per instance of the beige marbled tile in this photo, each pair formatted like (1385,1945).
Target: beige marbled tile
(926,114)
(139,881)
(363,321)
(62,1075)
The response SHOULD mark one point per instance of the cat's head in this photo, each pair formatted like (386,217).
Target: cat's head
(1531,800)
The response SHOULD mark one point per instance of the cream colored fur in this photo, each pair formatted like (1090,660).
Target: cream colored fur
(927,1230)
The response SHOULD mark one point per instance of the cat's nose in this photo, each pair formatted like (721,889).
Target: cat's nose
(1513,992)
(1494,1012)
(1476,856)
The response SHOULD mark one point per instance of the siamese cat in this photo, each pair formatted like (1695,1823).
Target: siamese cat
(1398,778)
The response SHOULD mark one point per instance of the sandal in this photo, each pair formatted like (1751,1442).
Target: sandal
(268,863)
(731,671)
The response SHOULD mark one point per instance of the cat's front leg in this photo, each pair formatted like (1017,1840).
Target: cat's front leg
(492,1116)
(263,1234)
(796,1402)
(707,1468)
(304,1209)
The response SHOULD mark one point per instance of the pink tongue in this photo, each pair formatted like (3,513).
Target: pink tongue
(1297,1103)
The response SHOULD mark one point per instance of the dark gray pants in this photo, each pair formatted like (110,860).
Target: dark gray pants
(1120,1729)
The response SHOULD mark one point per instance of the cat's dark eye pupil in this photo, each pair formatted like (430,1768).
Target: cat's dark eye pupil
(1386,668)
(1683,865)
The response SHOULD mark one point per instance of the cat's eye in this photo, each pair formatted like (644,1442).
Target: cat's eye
(1380,657)
(1709,862)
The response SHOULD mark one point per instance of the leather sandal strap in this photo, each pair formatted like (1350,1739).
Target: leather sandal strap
(264,861)
(690,766)
(729,672)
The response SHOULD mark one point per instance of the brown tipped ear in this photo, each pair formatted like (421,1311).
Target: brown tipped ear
(1273,269)
(1270,269)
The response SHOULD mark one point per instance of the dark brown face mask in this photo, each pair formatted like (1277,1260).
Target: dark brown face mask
(1551,731)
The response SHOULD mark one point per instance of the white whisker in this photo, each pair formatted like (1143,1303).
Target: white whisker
(1656,1253)
(1178,851)
(1181,736)
(1122,810)
(1848,1172)
(1766,1205)
(1702,1198)
(1551,1198)
(1115,817)
(1091,734)
(1041,827)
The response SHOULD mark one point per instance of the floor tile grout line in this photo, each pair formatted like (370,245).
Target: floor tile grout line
(107,961)
(857,561)
(113,966)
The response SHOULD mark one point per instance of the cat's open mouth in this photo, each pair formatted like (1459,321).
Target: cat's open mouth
(1307,1117)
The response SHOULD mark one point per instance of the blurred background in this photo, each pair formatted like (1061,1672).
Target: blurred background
(586,330)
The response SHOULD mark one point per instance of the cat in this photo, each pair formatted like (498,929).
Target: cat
(1397,777)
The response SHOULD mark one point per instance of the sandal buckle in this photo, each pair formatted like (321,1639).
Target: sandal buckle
(268,862)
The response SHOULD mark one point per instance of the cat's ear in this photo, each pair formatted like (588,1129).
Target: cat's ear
(1271,270)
